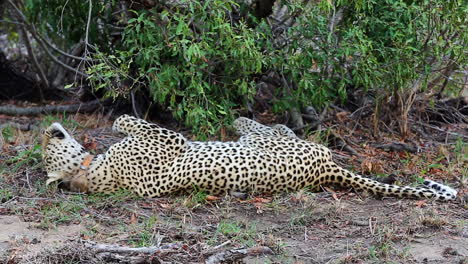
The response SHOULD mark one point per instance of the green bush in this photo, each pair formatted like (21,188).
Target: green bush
(193,60)
(382,46)
(201,60)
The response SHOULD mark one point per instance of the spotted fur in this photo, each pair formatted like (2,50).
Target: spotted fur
(154,161)
(246,126)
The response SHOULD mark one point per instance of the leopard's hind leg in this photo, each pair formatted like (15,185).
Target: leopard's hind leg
(244,126)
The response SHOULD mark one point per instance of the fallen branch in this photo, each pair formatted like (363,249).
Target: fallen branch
(37,110)
(229,256)
(105,248)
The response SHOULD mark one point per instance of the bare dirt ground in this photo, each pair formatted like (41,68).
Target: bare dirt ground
(40,224)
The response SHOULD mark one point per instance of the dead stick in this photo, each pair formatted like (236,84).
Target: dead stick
(222,245)
(100,248)
(37,110)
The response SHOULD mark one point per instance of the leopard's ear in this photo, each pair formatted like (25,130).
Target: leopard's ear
(53,131)
(56,133)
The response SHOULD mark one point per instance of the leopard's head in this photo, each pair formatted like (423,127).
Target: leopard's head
(62,155)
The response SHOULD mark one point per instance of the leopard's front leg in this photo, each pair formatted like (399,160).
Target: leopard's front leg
(132,126)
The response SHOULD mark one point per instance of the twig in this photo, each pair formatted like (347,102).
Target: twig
(87,25)
(371,229)
(61,15)
(38,67)
(49,54)
(66,54)
(12,199)
(27,181)
(132,96)
(37,110)
(223,244)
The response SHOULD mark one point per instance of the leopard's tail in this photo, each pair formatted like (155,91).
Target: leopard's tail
(431,189)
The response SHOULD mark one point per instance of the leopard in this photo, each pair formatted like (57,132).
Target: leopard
(153,161)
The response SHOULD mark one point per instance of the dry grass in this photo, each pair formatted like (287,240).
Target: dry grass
(69,253)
